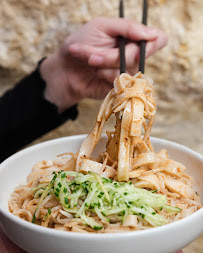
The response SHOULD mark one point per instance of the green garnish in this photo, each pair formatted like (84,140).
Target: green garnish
(97,227)
(154,191)
(66,200)
(105,197)
(58,190)
(65,190)
(56,194)
(63,175)
(33,219)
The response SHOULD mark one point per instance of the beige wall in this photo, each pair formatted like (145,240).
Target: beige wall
(30,30)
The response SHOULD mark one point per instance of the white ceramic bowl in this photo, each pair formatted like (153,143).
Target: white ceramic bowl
(35,239)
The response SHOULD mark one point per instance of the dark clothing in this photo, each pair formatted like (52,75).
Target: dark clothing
(25,114)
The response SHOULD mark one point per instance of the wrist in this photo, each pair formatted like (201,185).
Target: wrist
(58,88)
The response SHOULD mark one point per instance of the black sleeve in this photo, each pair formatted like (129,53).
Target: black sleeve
(25,114)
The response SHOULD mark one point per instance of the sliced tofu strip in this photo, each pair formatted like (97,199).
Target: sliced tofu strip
(162,154)
(124,145)
(103,171)
(121,82)
(93,137)
(177,186)
(127,95)
(70,165)
(113,145)
(138,114)
(104,106)
(137,108)
(87,146)
(148,181)
(143,159)
(174,168)
(130,221)
(137,172)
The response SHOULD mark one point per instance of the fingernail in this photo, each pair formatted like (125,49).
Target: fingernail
(96,60)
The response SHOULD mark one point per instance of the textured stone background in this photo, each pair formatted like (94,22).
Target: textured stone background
(30,30)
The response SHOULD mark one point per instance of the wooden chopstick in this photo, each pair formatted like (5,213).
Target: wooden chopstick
(122,41)
(143,42)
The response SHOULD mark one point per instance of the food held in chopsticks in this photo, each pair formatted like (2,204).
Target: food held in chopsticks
(128,187)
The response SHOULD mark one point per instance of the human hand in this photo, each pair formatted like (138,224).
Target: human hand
(88,61)
(7,246)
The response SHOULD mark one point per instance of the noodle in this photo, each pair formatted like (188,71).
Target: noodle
(128,155)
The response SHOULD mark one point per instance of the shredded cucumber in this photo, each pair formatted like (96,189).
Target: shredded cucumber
(171,209)
(104,197)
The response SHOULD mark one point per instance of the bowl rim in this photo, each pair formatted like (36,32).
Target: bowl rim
(76,235)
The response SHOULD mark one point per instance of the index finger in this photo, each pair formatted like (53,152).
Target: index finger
(127,28)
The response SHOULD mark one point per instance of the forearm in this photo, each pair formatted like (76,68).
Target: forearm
(26,115)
